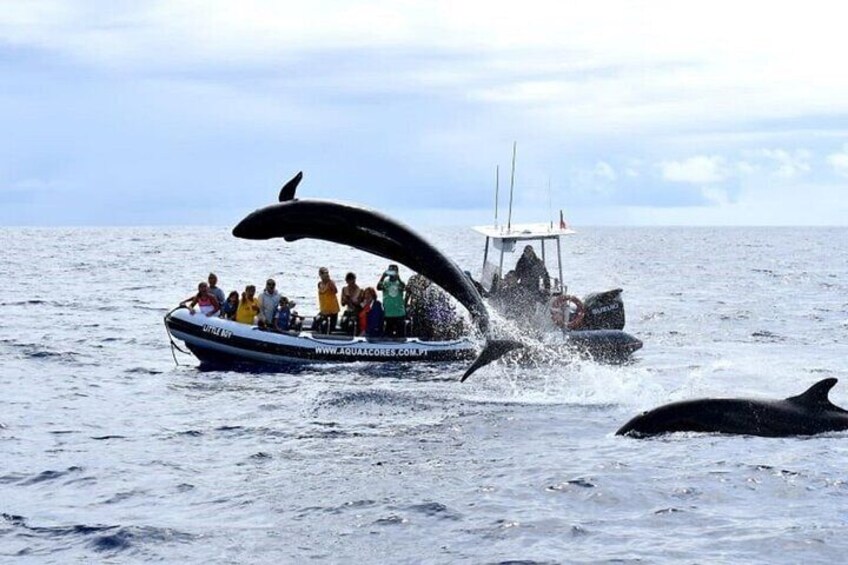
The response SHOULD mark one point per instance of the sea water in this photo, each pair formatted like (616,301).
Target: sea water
(110,451)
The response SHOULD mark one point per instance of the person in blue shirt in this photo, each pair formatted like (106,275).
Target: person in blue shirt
(282,319)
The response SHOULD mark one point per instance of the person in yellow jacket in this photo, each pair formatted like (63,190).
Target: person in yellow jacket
(248,307)
(328,300)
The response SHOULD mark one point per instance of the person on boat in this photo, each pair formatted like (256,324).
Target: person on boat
(215,290)
(530,270)
(229,307)
(351,300)
(371,314)
(328,301)
(283,318)
(204,300)
(268,302)
(393,301)
(248,307)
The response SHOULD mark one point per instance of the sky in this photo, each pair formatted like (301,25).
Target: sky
(624,113)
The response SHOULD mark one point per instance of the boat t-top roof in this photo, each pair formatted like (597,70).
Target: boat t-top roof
(522,232)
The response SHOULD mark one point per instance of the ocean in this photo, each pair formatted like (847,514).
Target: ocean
(112,452)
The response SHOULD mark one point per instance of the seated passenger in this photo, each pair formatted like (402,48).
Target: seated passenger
(207,303)
(230,306)
(371,315)
(283,317)
(248,307)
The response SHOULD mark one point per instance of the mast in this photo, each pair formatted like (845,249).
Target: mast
(497,188)
(511,188)
(550,209)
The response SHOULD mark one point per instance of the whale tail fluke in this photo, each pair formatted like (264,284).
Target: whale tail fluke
(493,350)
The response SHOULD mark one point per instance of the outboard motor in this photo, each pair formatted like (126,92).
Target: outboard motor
(604,311)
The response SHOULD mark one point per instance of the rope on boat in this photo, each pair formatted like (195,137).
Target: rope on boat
(171,337)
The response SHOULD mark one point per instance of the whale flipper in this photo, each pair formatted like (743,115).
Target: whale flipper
(816,395)
(287,192)
(492,351)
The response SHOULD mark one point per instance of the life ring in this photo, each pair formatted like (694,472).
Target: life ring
(560,312)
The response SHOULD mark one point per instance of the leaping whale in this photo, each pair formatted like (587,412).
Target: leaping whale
(356,226)
(806,414)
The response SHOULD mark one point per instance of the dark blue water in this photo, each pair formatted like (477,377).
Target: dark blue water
(108,451)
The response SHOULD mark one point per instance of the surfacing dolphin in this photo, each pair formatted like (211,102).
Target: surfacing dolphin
(375,233)
(803,415)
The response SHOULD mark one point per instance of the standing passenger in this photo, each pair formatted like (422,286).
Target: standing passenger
(328,301)
(268,302)
(351,300)
(393,307)
(214,289)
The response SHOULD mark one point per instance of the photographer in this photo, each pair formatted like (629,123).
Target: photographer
(393,307)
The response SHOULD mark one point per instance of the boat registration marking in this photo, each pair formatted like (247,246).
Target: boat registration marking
(220,332)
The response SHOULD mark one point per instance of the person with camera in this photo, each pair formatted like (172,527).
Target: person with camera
(393,306)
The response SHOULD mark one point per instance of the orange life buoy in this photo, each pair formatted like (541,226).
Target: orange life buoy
(560,312)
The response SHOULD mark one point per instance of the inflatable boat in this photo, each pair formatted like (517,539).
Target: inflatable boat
(219,342)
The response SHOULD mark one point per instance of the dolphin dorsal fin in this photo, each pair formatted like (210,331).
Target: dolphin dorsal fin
(816,395)
(287,192)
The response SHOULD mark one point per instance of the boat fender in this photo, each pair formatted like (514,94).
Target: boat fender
(560,311)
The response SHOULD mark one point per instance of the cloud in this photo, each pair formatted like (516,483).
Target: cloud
(788,164)
(696,170)
(663,104)
(839,161)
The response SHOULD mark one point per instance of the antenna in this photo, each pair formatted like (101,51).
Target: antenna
(511,188)
(497,188)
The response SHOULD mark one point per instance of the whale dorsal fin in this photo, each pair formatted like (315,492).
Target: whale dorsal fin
(287,192)
(816,395)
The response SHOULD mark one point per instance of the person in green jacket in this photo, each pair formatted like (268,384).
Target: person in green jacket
(393,307)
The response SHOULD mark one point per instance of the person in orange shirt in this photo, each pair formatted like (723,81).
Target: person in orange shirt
(328,300)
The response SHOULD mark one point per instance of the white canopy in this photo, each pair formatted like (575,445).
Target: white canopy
(520,232)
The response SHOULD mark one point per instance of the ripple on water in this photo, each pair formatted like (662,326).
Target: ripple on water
(109,539)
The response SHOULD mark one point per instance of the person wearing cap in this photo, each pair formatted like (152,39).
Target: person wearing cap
(393,306)
(328,300)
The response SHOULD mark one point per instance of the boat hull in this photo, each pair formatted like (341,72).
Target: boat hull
(215,341)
